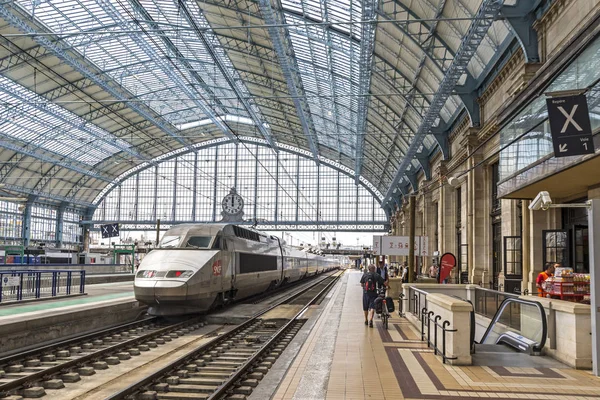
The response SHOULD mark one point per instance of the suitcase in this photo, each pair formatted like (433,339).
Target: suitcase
(390,304)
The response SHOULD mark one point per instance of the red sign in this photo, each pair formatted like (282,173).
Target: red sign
(447,262)
(216,267)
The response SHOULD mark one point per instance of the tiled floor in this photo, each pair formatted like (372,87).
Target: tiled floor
(395,364)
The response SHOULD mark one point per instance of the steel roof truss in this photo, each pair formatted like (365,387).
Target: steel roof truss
(285,54)
(477,31)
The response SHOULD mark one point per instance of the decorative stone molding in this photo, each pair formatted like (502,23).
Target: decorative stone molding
(516,61)
(490,128)
(471,141)
(550,16)
(521,77)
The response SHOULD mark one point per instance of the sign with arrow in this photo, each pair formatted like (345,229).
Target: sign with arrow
(570,125)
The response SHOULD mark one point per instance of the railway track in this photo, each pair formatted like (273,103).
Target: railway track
(230,365)
(30,373)
(68,360)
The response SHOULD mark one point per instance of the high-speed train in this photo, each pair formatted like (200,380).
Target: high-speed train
(200,266)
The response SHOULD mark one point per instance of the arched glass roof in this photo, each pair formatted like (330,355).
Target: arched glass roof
(92,89)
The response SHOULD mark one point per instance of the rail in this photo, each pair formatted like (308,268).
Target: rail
(536,347)
(417,300)
(223,388)
(427,317)
(29,284)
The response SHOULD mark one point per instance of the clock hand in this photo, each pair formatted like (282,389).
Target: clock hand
(232,201)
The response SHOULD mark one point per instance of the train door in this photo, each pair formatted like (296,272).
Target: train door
(228,261)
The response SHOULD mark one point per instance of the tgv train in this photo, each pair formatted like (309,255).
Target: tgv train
(198,266)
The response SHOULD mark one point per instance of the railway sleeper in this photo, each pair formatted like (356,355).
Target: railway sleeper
(192,388)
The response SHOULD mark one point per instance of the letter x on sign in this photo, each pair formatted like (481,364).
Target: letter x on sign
(570,125)
(570,119)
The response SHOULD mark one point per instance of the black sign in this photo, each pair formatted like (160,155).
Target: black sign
(570,126)
(108,231)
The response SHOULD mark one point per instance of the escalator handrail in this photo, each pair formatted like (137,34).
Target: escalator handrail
(504,304)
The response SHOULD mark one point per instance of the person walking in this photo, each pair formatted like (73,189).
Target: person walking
(369,283)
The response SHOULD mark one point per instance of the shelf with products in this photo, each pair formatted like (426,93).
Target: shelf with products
(572,287)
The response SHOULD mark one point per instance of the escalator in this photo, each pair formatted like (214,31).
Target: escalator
(518,325)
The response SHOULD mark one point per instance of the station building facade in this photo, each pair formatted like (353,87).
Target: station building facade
(504,162)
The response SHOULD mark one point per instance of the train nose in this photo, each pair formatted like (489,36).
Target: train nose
(157,291)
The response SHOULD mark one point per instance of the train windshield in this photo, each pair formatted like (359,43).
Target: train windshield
(170,241)
(199,242)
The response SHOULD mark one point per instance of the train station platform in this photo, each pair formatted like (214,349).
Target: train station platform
(344,359)
(26,324)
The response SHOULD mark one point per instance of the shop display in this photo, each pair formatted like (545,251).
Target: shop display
(566,285)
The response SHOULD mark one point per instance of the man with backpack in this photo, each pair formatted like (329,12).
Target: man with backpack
(369,283)
(383,271)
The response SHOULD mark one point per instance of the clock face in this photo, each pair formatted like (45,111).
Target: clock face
(232,203)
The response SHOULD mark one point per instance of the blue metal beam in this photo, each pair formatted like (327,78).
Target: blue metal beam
(482,21)
(440,134)
(423,159)
(520,18)
(285,54)
(412,179)
(11,14)
(468,95)
(365,63)
(23,149)
(42,195)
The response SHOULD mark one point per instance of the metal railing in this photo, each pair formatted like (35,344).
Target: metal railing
(25,285)
(427,317)
(417,300)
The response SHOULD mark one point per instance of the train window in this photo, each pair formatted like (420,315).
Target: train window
(217,244)
(201,242)
(170,241)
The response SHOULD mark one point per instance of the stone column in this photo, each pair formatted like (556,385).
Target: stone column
(526,246)
(539,221)
(477,215)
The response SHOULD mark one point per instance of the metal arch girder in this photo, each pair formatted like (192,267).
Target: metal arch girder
(367,45)
(110,9)
(231,80)
(412,179)
(38,194)
(468,95)
(403,27)
(285,54)
(440,134)
(427,47)
(423,159)
(520,18)
(477,31)
(57,50)
(25,151)
(107,138)
(123,177)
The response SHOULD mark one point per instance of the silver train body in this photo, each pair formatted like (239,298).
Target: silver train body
(200,266)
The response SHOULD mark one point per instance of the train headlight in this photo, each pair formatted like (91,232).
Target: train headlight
(179,274)
(146,274)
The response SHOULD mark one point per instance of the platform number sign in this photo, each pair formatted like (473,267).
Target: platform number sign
(570,125)
(110,230)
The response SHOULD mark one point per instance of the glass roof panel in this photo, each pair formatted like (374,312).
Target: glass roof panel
(31,118)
